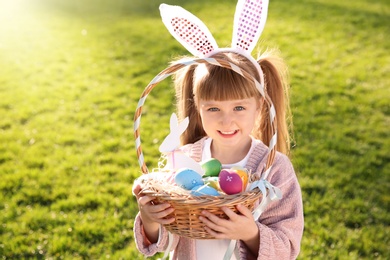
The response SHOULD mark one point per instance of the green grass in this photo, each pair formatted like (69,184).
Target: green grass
(71,73)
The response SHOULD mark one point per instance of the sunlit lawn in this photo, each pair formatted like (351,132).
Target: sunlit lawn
(71,73)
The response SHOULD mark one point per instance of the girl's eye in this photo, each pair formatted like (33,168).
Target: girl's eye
(212,109)
(239,108)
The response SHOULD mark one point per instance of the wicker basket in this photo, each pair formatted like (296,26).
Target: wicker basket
(188,208)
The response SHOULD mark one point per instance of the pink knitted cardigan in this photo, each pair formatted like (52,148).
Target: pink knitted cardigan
(280,225)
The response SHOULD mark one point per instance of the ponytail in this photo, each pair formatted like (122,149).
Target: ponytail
(276,86)
(185,105)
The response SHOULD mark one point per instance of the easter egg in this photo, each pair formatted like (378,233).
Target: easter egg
(187,178)
(212,182)
(243,174)
(202,190)
(212,167)
(230,182)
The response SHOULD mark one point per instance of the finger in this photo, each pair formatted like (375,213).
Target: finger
(146,204)
(136,190)
(230,213)
(166,221)
(244,211)
(163,214)
(157,213)
(215,234)
(160,207)
(213,222)
(211,217)
(145,200)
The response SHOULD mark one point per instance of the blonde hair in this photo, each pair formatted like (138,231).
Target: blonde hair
(211,82)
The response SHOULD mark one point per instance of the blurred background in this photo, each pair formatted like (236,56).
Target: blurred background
(71,74)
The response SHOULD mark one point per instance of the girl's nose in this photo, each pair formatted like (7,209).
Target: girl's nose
(226,119)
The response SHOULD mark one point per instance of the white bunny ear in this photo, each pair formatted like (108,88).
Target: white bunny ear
(172,141)
(176,127)
(183,125)
(249,22)
(191,32)
(173,122)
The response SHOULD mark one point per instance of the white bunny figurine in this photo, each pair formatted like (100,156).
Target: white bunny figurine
(176,159)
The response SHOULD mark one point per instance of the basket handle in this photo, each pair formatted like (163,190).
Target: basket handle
(214,61)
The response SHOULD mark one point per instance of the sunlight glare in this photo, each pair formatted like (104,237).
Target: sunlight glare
(9,7)
(11,11)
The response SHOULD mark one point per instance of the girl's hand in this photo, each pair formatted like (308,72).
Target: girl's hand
(238,227)
(152,215)
(151,212)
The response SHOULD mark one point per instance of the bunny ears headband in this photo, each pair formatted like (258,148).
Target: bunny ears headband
(192,33)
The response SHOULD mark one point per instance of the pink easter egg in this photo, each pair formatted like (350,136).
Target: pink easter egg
(230,182)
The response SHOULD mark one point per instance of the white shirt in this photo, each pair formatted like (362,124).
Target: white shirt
(216,248)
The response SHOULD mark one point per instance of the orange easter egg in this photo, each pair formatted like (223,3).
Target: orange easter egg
(243,173)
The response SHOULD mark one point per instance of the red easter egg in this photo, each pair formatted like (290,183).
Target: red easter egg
(230,182)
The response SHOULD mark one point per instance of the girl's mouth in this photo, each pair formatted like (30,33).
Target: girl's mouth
(228,133)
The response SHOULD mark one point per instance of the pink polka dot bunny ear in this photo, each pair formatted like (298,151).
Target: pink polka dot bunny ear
(249,22)
(187,29)
(192,33)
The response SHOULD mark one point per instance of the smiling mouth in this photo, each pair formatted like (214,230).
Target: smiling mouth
(228,133)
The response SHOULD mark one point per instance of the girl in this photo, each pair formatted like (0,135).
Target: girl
(229,121)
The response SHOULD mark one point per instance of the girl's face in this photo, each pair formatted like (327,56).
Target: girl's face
(229,123)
